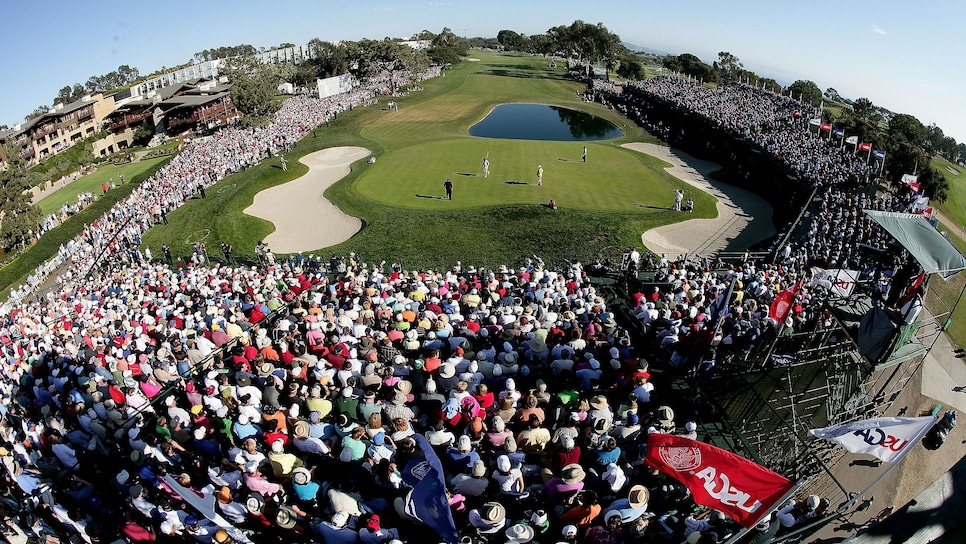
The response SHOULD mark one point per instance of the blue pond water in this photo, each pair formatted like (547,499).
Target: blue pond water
(543,122)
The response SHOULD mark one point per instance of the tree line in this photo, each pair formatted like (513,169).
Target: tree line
(908,143)
(122,77)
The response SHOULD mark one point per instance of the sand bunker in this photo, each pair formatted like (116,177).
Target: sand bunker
(304,220)
(743,219)
(952,170)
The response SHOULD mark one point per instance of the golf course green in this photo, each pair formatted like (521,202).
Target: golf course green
(603,205)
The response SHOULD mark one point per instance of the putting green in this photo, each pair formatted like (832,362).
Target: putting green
(603,205)
(613,179)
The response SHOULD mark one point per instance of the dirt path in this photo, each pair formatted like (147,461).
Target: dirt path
(304,219)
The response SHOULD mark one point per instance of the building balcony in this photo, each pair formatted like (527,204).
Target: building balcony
(42,131)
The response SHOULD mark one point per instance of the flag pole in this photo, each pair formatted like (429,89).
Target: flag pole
(744,530)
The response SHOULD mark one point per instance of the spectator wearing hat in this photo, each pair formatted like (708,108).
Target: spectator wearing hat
(628,430)
(318,402)
(233,511)
(336,530)
(348,403)
(244,428)
(462,456)
(374,533)
(519,533)
(305,442)
(283,463)
(799,512)
(589,374)
(634,505)
(305,488)
(642,389)
(140,501)
(256,482)
(397,408)
(565,452)
(488,519)
(608,533)
(690,430)
(471,484)
(600,408)
(287,516)
(568,535)
(567,485)
(509,478)
(380,449)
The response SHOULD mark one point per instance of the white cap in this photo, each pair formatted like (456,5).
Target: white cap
(690,426)
(813,502)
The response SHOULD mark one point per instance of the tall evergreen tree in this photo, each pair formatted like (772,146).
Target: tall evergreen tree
(20,217)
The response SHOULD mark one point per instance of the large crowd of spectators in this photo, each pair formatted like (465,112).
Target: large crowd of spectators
(283,401)
(775,123)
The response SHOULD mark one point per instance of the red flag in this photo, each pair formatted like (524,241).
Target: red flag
(782,304)
(912,289)
(825,126)
(865,146)
(717,478)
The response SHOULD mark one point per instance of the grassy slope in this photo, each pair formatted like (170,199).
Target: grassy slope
(954,210)
(93,182)
(955,206)
(425,142)
(45,248)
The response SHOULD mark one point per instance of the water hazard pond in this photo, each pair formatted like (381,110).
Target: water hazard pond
(543,122)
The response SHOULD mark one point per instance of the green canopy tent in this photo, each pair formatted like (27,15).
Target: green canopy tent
(931,249)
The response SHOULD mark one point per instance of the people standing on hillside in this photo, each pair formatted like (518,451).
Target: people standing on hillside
(448,185)
(583,156)
(678,197)
(284,162)
(486,166)
(540,175)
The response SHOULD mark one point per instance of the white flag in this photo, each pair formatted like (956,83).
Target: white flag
(919,204)
(854,140)
(815,122)
(888,438)
(839,281)
(909,178)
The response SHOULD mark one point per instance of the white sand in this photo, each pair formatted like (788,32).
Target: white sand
(304,220)
(743,219)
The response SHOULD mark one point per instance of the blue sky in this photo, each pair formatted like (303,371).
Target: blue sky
(901,55)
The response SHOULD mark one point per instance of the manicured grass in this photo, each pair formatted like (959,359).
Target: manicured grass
(93,182)
(425,142)
(954,209)
(955,206)
(16,272)
(603,184)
